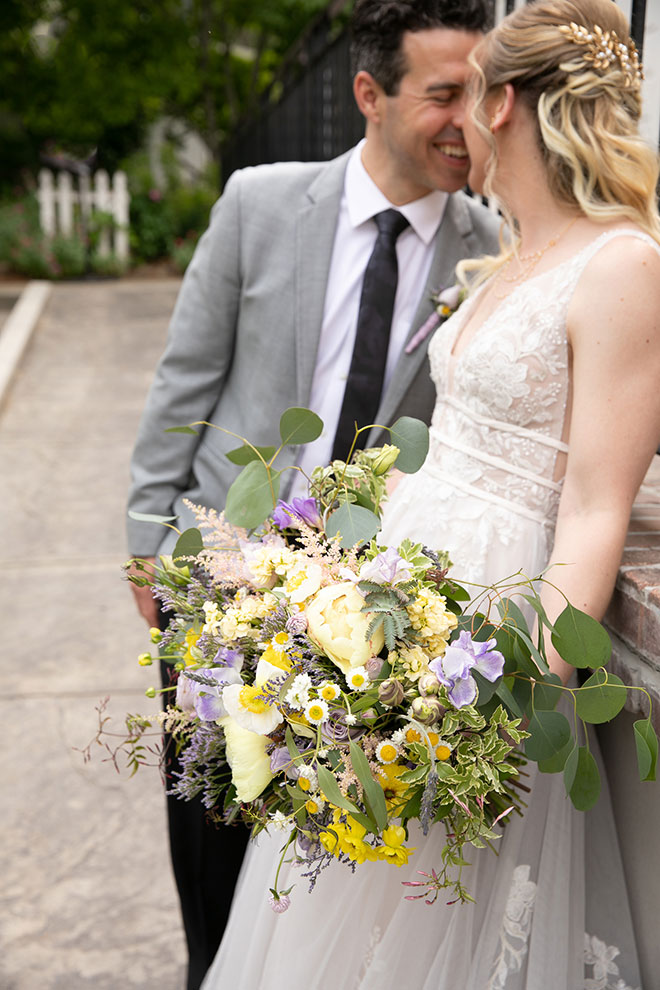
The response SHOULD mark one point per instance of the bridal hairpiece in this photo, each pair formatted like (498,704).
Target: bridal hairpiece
(602,48)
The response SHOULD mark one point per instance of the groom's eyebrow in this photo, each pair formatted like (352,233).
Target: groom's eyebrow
(444,86)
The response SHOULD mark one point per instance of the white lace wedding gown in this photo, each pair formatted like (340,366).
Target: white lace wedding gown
(551,909)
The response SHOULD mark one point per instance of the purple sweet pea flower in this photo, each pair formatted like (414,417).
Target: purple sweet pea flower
(289,515)
(206,699)
(459,660)
(386,568)
(226,657)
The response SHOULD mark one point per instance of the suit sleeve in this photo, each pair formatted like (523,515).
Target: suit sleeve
(191,373)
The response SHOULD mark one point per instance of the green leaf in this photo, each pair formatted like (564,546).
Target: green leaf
(330,788)
(245,454)
(294,752)
(182,429)
(647,748)
(188,545)
(486,688)
(253,496)
(355,524)
(548,733)
(600,698)
(149,517)
(298,425)
(374,797)
(580,640)
(411,436)
(556,763)
(547,692)
(504,693)
(582,779)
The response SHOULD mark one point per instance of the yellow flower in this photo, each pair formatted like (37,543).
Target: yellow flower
(395,789)
(192,654)
(329,691)
(248,759)
(386,752)
(431,618)
(245,705)
(394,851)
(338,626)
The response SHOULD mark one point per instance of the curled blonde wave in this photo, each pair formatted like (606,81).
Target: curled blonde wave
(588,120)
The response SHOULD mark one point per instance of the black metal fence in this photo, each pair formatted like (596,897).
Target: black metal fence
(314,116)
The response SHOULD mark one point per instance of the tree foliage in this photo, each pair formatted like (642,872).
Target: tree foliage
(79,75)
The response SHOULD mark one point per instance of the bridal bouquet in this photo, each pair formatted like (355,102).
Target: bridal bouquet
(340,689)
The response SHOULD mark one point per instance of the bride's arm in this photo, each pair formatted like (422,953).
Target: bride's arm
(614,334)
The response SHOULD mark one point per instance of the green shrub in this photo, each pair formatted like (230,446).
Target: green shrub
(70,256)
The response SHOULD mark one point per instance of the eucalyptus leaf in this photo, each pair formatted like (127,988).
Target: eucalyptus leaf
(582,779)
(505,695)
(245,454)
(188,545)
(150,517)
(299,425)
(411,436)
(548,733)
(373,792)
(486,688)
(646,742)
(252,496)
(556,763)
(330,788)
(580,640)
(600,698)
(547,692)
(182,429)
(353,523)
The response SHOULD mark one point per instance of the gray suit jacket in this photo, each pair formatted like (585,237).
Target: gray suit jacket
(243,336)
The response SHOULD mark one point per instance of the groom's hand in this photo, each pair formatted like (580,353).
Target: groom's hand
(144,598)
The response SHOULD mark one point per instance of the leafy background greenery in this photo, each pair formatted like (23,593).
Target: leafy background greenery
(81,78)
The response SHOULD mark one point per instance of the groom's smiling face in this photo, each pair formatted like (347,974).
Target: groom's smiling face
(420,143)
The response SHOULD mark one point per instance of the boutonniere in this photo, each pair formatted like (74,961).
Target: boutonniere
(445,303)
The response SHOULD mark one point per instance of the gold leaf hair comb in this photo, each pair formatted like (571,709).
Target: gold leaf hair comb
(603,48)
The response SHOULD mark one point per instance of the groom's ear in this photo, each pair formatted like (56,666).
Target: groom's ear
(369,96)
(503,107)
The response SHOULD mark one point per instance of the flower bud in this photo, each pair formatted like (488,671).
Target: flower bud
(385,459)
(279,902)
(150,692)
(374,666)
(428,684)
(155,634)
(145,659)
(427,710)
(391,693)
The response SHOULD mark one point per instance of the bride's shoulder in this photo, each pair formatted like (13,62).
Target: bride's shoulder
(619,286)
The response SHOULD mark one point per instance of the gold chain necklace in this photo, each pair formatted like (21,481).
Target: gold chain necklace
(528,263)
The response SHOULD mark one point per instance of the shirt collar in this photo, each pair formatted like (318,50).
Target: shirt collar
(364,199)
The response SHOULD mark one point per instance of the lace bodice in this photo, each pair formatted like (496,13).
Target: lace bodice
(501,405)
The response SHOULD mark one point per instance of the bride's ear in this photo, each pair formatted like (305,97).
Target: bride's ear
(502,107)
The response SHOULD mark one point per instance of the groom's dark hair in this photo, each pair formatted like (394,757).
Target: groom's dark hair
(378,26)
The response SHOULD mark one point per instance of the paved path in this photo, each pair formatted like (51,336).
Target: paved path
(86,898)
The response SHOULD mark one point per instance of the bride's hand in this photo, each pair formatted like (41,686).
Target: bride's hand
(393,480)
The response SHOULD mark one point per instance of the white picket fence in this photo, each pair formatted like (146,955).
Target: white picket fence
(66,207)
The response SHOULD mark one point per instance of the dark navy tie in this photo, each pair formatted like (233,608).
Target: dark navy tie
(365,377)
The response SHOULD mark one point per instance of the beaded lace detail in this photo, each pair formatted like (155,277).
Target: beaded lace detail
(499,418)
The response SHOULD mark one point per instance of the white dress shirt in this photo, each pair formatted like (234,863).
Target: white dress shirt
(355,237)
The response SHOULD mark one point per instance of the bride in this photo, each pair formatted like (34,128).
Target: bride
(547,416)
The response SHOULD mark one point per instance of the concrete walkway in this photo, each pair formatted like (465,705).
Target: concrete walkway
(86,898)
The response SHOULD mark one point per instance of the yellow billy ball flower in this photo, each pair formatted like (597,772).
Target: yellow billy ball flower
(443,751)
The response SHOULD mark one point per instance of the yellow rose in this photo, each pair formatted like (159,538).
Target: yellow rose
(337,625)
(247,757)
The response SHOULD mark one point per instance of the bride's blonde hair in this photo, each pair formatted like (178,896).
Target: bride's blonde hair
(587,112)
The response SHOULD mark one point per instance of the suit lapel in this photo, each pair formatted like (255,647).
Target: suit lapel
(315,236)
(452,244)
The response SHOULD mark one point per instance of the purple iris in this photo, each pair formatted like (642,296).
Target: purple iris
(226,657)
(386,568)
(289,515)
(462,657)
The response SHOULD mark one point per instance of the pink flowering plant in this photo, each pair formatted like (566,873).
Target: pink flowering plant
(344,691)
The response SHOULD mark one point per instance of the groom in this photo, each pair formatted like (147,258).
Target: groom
(273,312)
